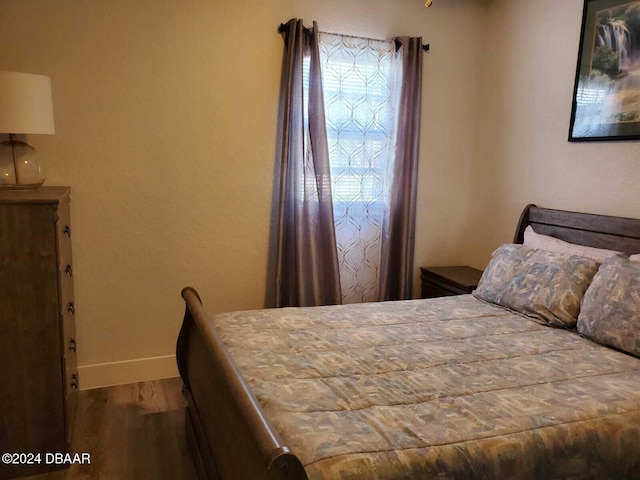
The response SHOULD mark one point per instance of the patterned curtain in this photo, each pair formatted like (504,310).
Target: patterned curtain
(357,77)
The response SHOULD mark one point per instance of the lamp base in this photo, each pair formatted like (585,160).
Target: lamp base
(19,166)
(20,186)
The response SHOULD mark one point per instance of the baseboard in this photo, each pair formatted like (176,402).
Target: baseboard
(128,371)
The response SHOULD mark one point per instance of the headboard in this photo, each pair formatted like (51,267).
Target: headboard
(601,231)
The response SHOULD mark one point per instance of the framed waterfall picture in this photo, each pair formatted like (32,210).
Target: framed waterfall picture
(606,98)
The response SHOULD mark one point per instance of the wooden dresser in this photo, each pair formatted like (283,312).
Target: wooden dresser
(38,373)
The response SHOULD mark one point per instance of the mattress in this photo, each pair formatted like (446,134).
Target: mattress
(440,388)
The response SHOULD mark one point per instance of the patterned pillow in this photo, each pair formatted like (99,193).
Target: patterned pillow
(547,286)
(610,312)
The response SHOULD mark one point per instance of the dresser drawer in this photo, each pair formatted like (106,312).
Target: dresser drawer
(65,284)
(65,262)
(64,218)
(70,373)
(69,346)
(63,235)
(444,281)
(68,334)
(431,290)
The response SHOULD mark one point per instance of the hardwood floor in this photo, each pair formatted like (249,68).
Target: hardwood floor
(132,432)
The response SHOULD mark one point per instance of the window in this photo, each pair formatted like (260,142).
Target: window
(357,76)
(347,180)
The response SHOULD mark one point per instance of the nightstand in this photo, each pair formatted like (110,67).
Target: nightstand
(444,281)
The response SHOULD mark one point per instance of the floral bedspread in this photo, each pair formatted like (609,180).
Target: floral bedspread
(442,388)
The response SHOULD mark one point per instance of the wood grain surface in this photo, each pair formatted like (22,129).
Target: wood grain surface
(134,431)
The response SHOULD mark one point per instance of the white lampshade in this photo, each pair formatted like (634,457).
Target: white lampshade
(25,103)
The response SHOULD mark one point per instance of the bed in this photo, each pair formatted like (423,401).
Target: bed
(453,387)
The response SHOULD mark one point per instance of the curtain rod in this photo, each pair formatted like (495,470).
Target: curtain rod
(283,27)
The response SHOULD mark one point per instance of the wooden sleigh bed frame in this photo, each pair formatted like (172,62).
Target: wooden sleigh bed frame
(229,435)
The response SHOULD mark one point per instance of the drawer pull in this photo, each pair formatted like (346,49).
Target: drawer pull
(69,270)
(74,381)
(67,231)
(72,344)
(71,309)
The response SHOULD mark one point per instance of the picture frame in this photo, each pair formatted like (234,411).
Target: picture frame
(606,95)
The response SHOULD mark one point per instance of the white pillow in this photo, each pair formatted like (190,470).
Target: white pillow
(635,258)
(552,244)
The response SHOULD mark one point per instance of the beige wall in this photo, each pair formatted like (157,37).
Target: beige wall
(165,118)
(523,155)
(165,125)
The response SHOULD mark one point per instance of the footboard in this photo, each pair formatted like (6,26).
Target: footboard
(232,433)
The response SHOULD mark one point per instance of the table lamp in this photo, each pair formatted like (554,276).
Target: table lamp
(25,108)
